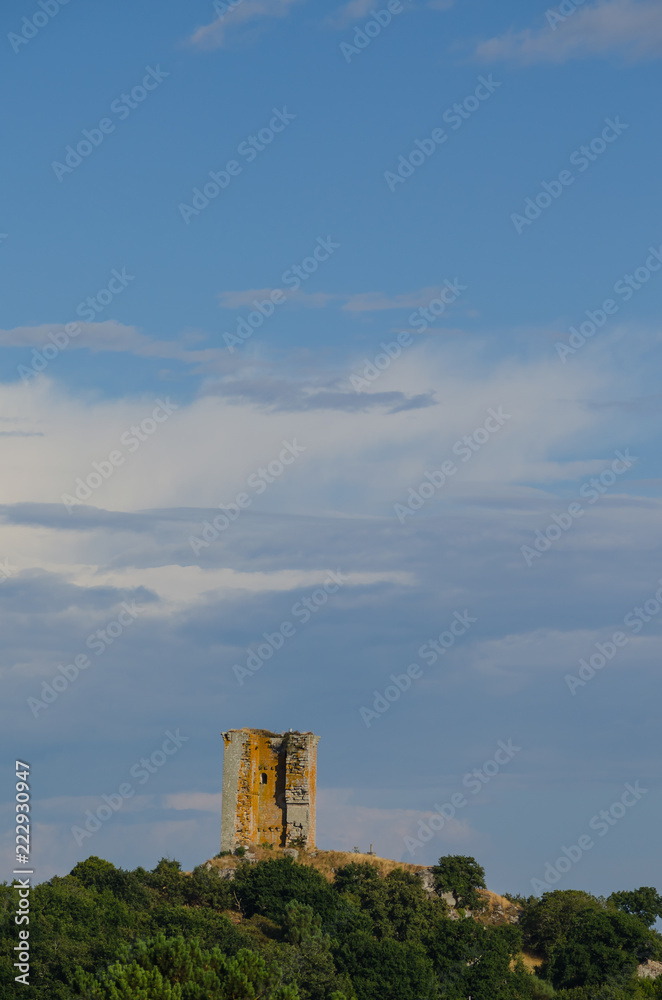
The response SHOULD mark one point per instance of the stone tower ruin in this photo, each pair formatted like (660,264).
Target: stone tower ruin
(269,788)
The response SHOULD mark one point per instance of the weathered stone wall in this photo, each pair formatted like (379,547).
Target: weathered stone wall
(269,788)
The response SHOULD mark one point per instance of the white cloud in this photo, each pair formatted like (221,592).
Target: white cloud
(362,454)
(632,28)
(213,35)
(178,586)
(201,801)
(337,503)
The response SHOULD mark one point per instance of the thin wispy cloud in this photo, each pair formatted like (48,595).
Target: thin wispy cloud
(630,28)
(355,10)
(349,12)
(290,396)
(213,35)
(357,303)
(247,297)
(377,301)
(113,337)
(360,302)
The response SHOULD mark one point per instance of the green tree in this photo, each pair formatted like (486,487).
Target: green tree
(204,888)
(527,986)
(163,935)
(471,959)
(489,975)
(269,886)
(397,906)
(178,969)
(361,885)
(585,941)
(462,876)
(301,925)
(306,957)
(95,873)
(544,921)
(169,881)
(633,989)
(82,920)
(387,969)
(644,903)
(410,913)
(70,925)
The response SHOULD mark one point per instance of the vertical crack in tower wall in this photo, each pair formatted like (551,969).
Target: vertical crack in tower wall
(269,788)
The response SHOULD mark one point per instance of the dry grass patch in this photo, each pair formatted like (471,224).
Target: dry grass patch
(324,861)
(531,962)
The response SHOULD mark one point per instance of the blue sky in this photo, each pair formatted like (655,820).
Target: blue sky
(131,412)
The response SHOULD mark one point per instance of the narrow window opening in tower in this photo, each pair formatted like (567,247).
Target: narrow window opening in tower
(263,778)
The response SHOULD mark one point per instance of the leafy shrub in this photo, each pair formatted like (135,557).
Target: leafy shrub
(269,886)
(462,876)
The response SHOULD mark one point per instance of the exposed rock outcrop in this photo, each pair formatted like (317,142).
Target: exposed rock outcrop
(650,969)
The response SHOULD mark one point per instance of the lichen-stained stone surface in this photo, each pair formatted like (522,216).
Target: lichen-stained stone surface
(269,788)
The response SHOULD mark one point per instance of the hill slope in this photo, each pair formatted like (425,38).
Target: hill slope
(499,910)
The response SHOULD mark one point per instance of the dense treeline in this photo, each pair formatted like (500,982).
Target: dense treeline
(280,931)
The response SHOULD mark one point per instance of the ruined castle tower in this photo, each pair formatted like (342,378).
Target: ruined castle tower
(269,788)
